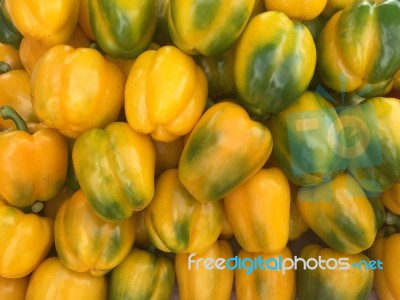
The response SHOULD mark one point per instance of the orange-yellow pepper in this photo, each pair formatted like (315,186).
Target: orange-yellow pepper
(25,240)
(47,21)
(74,90)
(297,9)
(15,91)
(53,281)
(36,165)
(9,55)
(258,211)
(386,280)
(13,288)
(165,93)
(391,198)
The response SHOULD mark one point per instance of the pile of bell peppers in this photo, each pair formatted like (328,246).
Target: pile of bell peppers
(169,134)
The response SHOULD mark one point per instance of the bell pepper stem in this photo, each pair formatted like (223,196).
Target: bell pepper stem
(4,67)
(9,113)
(392,219)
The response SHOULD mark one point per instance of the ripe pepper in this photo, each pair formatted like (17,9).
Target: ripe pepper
(9,55)
(264,203)
(54,281)
(391,198)
(308,140)
(85,90)
(165,93)
(15,90)
(300,10)
(339,213)
(274,63)
(85,242)
(267,281)
(196,281)
(331,279)
(374,143)
(13,288)
(115,170)
(9,34)
(219,154)
(207,27)
(36,165)
(123,29)
(84,19)
(43,20)
(368,66)
(386,280)
(142,275)
(25,240)
(176,222)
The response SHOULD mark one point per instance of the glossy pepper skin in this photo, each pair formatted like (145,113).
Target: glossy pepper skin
(9,34)
(264,205)
(35,164)
(123,29)
(339,213)
(13,288)
(268,283)
(115,169)
(375,158)
(207,27)
(274,63)
(165,93)
(43,20)
(196,282)
(302,10)
(25,240)
(176,222)
(53,281)
(368,66)
(142,275)
(308,140)
(219,154)
(10,55)
(15,90)
(329,283)
(391,198)
(85,242)
(387,250)
(83,90)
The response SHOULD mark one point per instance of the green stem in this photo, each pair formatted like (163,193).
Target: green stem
(392,219)
(7,112)
(4,67)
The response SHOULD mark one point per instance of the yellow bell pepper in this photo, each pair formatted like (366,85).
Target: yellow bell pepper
(84,19)
(386,280)
(30,50)
(53,281)
(25,240)
(83,90)
(268,283)
(219,154)
(198,280)
(45,21)
(332,275)
(258,211)
(165,93)
(302,10)
(176,222)
(15,91)
(391,198)
(85,242)
(115,170)
(36,165)
(13,288)
(339,213)
(142,275)
(9,55)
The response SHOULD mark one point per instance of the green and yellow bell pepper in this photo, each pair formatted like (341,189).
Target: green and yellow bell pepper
(219,154)
(115,170)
